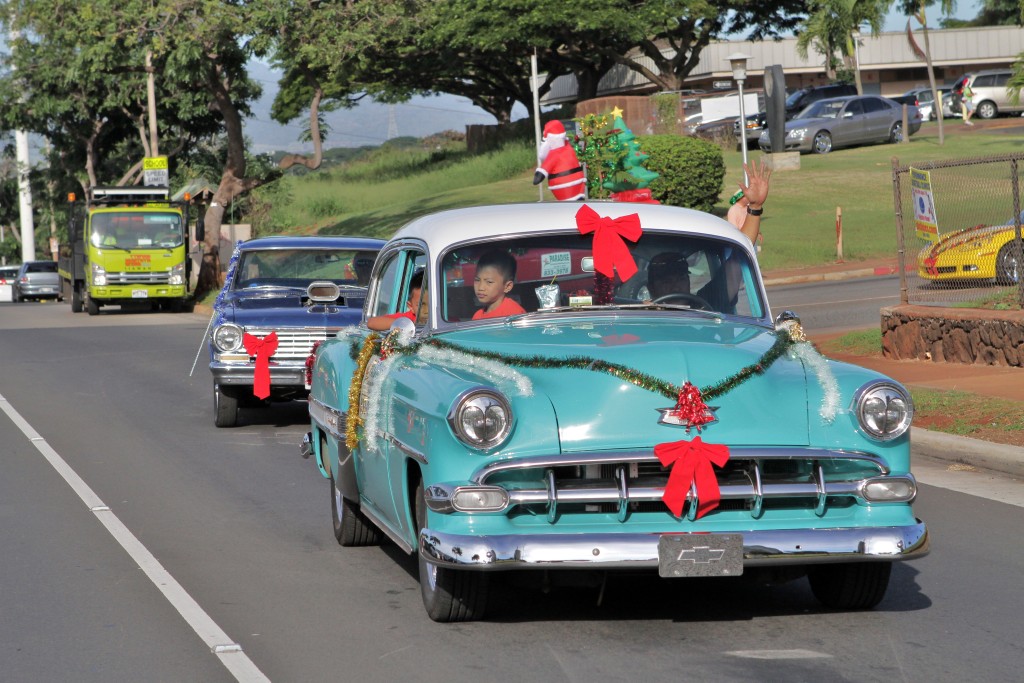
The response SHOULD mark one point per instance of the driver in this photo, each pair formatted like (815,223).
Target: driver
(668,273)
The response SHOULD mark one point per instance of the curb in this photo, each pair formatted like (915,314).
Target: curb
(951,448)
(822,277)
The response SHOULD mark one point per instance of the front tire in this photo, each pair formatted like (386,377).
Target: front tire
(1008,264)
(822,142)
(855,585)
(987,110)
(448,594)
(225,407)
(91,306)
(896,133)
(351,528)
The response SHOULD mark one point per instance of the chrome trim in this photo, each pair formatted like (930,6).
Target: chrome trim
(857,406)
(552,491)
(757,507)
(819,481)
(438,498)
(243,373)
(607,551)
(333,421)
(489,469)
(623,483)
(407,449)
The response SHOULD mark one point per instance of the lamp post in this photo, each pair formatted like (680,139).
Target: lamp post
(738,62)
(855,34)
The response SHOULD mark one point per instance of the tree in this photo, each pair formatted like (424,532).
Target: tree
(991,13)
(831,26)
(916,9)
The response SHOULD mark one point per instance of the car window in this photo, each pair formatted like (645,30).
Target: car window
(557,272)
(984,81)
(873,104)
(392,289)
(999,80)
(854,107)
(298,267)
(49,267)
(825,109)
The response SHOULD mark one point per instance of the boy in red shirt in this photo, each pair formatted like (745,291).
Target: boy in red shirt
(495,277)
(416,305)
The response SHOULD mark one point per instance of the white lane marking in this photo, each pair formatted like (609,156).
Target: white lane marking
(229,652)
(838,301)
(778,654)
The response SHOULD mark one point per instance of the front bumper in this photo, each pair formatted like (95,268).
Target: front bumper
(242,374)
(640,551)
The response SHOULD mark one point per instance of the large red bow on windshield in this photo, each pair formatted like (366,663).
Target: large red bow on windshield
(610,251)
(263,349)
(691,463)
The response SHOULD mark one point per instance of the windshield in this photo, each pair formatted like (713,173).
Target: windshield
(822,109)
(300,267)
(552,273)
(135,229)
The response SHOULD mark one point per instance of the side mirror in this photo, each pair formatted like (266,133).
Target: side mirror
(200,229)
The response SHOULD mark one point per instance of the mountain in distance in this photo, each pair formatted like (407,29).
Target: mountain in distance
(368,123)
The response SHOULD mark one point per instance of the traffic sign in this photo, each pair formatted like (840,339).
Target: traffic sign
(154,172)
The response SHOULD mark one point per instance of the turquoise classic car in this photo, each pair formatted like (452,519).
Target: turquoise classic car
(631,403)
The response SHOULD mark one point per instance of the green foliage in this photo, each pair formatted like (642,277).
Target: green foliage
(691,170)
(859,343)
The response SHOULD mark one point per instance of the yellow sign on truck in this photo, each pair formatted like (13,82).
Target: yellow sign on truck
(127,245)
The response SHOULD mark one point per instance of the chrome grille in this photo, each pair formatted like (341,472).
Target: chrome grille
(754,479)
(158,278)
(295,343)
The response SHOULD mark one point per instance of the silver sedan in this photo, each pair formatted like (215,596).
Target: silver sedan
(845,121)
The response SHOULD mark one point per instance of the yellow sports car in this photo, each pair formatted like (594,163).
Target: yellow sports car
(978,253)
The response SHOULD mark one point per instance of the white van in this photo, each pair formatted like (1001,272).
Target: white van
(990,95)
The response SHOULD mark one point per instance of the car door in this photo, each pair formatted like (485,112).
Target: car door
(849,129)
(879,118)
(378,458)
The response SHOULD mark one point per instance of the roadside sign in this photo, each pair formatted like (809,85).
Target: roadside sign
(925,222)
(721,85)
(154,172)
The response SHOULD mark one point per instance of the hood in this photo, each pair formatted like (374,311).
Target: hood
(598,411)
(286,308)
(961,238)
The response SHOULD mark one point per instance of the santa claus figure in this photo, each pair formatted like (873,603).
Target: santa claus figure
(558,163)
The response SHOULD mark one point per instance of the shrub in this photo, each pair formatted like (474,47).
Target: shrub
(690,170)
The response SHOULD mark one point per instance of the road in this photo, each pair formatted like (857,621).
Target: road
(241,524)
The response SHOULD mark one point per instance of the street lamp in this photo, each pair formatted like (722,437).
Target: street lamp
(738,62)
(855,34)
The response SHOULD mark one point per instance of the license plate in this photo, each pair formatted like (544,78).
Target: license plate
(47,290)
(140,294)
(682,555)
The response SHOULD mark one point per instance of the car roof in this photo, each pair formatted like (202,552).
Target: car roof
(989,72)
(312,242)
(440,230)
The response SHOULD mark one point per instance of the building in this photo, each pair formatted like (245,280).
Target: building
(888,65)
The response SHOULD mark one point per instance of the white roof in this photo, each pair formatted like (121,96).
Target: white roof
(440,230)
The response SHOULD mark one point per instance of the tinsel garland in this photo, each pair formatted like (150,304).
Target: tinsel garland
(604,292)
(353,422)
(218,303)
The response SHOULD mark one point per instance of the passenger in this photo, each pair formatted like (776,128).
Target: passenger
(495,277)
(363,266)
(748,203)
(416,307)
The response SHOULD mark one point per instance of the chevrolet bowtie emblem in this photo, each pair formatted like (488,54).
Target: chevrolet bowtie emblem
(701,554)
(668,418)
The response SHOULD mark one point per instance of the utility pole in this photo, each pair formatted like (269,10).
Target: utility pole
(28,233)
(154,139)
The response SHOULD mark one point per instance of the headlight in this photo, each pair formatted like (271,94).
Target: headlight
(884,410)
(481,418)
(227,337)
(177,275)
(797,134)
(99,274)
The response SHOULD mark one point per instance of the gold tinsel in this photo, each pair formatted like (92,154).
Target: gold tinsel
(354,388)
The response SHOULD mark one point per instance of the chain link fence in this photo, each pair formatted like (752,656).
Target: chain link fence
(958,231)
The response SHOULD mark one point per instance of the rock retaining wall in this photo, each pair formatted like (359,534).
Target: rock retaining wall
(953,335)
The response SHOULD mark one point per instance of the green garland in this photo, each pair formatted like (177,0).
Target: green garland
(782,344)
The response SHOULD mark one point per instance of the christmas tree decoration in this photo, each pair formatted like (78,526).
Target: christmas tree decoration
(613,159)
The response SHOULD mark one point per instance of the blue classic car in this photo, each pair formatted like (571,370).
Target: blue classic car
(281,296)
(630,404)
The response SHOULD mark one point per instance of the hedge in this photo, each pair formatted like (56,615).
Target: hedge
(690,170)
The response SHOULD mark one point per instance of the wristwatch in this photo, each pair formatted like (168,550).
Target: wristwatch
(754,212)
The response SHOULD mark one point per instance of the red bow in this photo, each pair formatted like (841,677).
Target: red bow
(263,349)
(610,252)
(691,463)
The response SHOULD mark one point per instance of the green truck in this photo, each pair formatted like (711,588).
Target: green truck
(127,245)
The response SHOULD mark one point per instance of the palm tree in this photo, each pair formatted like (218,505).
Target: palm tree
(916,9)
(830,28)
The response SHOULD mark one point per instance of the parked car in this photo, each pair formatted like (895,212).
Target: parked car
(568,436)
(8,274)
(281,296)
(796,102)
(984,252)
(846,121)
(37,280)
(991,97)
